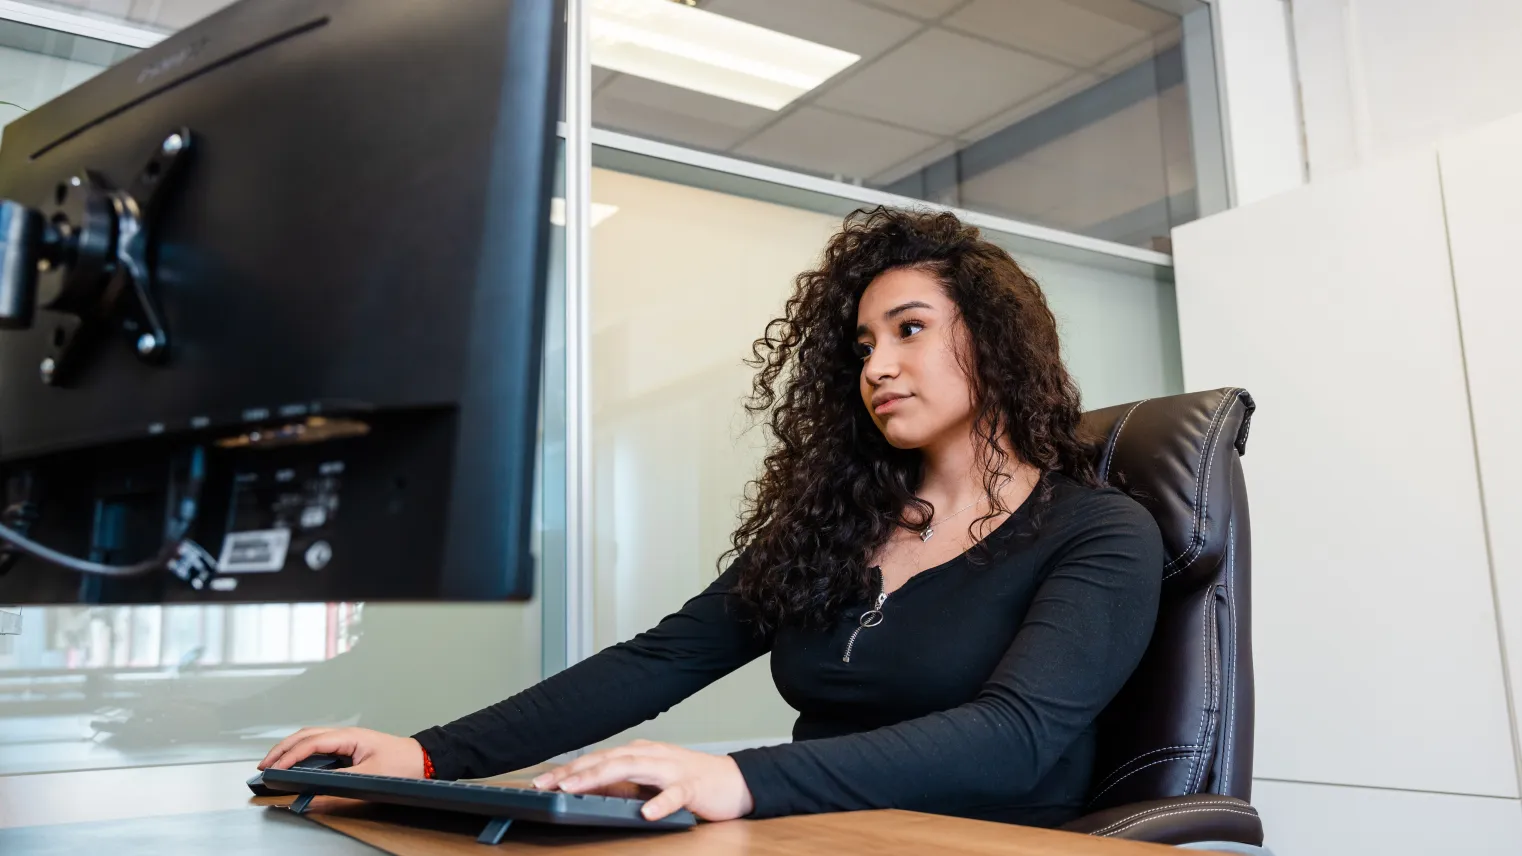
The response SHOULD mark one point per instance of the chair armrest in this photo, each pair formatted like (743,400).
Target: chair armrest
(1178,820)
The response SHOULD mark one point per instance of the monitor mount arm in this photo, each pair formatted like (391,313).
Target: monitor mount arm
(86,257)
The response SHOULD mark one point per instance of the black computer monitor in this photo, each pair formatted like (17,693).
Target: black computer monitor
(274,291)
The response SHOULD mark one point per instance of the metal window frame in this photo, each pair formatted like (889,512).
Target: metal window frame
(578,620)
(868,196)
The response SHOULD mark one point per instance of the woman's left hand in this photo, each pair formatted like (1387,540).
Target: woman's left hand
(710,786)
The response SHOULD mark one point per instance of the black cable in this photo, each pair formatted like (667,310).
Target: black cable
(176,549)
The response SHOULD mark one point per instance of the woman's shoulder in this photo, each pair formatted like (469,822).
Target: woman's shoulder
(1075,509)
(1101,527)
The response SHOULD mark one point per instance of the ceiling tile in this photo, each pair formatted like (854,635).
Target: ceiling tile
(1085,211)
(824,142)
(1140,52)
(1058,93)
(636,105)
(919,8)
(914,164)
(1107,168)
(1100,190)
(1178,146)
(1180,176)
(1023,189)
(942,83)
(843,24)
(1124,146)
(1048,28)
(1138,15)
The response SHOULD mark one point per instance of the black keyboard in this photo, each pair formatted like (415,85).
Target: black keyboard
(502,804)
(311,762)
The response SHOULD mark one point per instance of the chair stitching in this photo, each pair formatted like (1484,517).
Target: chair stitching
(1145,814)
(1212,688)
(1204,443)
(1218,657)
(1201,485)
(1183,811)
(1205,662)
(1115,443)
(1120,767)
(1231,605)
(1210,463)
(1132,773)
(1154,810)
(1198,547)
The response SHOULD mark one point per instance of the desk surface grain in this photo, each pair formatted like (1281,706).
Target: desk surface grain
(881,833)
(41,799)
(56,798)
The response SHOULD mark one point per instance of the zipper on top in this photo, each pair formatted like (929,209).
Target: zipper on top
(870,618)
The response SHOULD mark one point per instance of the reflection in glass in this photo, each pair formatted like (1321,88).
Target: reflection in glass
(36,65)
(1075,114)
(163,15)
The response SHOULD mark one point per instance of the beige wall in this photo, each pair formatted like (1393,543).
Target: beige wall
(683,280)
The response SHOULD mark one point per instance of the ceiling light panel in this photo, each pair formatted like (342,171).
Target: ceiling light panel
(694,49)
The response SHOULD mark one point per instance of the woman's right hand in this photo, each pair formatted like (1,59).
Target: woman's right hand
(372,751)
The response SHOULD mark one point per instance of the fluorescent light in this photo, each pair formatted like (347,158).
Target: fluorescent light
(600,212)
(698,50)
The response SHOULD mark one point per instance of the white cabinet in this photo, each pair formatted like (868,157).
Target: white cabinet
(1482,191)
(1374,624)
(1329,820)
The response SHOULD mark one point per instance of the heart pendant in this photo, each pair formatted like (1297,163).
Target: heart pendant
(929,530)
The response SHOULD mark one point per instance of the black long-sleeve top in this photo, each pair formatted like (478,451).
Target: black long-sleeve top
(975,696)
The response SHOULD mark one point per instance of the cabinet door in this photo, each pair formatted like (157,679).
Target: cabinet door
(1374,624)
(1330,820)
(1482,191)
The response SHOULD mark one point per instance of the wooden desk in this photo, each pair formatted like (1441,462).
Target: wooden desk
(66,798)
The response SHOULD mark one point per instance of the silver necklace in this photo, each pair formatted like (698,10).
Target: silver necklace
(929,530)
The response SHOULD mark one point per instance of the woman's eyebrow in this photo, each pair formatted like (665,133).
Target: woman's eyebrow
(897,310)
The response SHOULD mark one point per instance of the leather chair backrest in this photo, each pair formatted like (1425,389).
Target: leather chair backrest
(1183,724)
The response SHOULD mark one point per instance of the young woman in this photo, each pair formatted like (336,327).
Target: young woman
(948,596)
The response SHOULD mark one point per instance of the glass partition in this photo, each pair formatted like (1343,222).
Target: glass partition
(1081,115)
(684,278)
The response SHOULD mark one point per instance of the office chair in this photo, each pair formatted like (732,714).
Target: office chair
(1175,746)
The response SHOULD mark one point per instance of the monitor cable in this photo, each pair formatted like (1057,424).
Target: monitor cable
(180,555)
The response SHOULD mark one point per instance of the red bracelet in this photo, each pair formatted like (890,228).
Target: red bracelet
(427,765)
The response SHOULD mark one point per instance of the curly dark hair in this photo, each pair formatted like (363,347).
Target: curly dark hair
(832,489)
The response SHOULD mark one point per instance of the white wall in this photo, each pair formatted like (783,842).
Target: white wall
(1379,76)
(1375,326)
(1257,80)
(1359,79)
